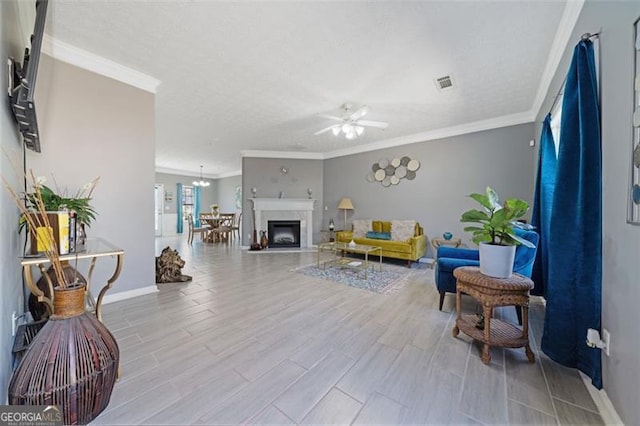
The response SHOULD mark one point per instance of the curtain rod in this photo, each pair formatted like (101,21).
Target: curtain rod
(583,37)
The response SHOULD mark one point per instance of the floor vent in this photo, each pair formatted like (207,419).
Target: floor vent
(444,83)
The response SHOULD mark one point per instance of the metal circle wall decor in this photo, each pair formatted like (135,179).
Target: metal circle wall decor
(391,172)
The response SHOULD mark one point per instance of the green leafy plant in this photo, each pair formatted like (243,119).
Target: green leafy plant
(497,221)
(54,201)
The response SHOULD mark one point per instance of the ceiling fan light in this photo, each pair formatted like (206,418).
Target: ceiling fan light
(335,131)
(346,128)
(351,134)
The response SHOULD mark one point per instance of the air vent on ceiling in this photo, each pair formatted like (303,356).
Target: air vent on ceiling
(444,83)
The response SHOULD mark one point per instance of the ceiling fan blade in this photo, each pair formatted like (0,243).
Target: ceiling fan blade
(368,123)
(360,112)
(330,117)
(326,129)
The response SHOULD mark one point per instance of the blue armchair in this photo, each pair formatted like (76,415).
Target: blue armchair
(450,258)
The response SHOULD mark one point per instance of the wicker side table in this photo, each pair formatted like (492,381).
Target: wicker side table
(492,292)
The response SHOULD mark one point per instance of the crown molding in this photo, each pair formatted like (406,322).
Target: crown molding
(191,173)
(283,154)
(70,54)
(568,21)
(476,126)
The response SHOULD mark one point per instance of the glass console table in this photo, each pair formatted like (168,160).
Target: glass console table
(94,249)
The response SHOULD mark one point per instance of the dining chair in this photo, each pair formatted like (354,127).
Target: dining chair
(202,230)
(236,224)
(225,227)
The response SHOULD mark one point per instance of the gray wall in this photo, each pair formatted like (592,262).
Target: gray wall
(265,175)
(450,169)
(209,193)
(11,292)
(621,241)
(87,131)
(221,191)
(227,193)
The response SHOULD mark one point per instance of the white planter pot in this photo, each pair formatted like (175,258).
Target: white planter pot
(497,261)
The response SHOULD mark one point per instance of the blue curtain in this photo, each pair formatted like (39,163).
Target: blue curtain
(196,206)
(179,207)
(542,205)
(574,286)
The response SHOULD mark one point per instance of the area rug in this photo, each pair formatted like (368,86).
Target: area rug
(388,281)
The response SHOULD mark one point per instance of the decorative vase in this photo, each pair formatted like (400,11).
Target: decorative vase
(264,241)
(496,260)
(81,237)
(72,362)
(331,225)
(39,310)
(447,236)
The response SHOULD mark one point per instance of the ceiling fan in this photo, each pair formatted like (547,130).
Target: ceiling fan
(350,123)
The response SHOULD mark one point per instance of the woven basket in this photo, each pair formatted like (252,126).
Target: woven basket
(71,363)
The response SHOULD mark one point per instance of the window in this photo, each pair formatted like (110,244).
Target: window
(556,117)
(187,201)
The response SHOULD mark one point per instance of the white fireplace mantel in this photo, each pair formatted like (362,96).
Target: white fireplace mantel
(286,209)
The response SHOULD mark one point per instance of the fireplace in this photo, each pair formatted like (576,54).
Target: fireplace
(283,233)
(289,209)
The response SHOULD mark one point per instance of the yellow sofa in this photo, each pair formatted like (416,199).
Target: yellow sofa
(411,249)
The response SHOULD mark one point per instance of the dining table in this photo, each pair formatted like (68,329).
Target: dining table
(219,226)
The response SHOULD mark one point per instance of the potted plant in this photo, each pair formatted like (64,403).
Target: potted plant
(59,200)
(495,235)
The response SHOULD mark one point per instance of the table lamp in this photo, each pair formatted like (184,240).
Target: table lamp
(345,204)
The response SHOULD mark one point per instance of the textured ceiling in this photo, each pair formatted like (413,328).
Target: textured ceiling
(255,75)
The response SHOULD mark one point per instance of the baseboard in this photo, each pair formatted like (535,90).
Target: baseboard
(116,297)
(605,407)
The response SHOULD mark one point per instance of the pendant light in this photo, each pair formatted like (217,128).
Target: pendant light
(202,182)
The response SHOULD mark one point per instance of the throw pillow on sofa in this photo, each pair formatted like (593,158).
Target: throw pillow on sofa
(402,230)
(361,227)
(379,235)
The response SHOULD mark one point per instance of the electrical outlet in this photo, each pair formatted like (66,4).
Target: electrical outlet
(14,323)
(606,338)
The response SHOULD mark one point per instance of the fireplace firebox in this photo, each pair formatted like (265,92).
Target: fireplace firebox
(283,233)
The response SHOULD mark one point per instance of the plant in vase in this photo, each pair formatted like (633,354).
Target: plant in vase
(60,200)
(215,210)
(495,235)
(81,380)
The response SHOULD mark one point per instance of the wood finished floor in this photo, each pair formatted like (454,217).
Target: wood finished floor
(249,341)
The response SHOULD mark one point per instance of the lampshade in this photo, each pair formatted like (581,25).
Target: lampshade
(345,204)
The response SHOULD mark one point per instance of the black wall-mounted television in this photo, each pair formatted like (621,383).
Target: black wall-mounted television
(22,82)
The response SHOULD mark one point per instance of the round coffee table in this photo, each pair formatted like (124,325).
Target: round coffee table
(492,292)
